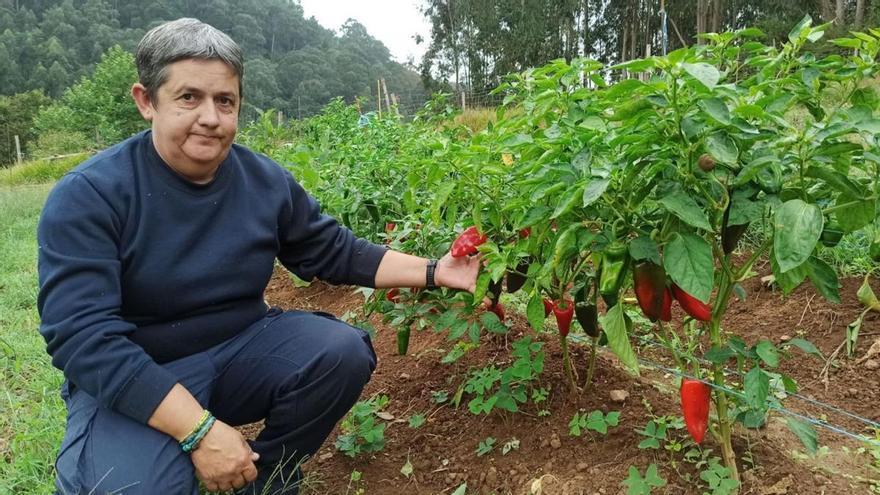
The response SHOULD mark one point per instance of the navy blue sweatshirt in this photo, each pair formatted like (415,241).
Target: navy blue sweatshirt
(139,266)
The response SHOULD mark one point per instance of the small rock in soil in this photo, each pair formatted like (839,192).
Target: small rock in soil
(872,364)
(784,338)
(404,376)
(619,395)
(853,392)
(554,441)
(387,416)
(492,477)
(545,442)
(582,466)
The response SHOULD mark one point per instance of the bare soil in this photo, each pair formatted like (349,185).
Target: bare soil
(442,451)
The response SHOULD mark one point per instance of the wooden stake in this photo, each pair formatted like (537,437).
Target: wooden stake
(379,96)
(463,102)
(18,149)
(385,89)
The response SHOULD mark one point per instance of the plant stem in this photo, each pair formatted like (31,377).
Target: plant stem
(725,424)
(592,366)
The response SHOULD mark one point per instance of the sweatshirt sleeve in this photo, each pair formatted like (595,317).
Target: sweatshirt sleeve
(315,245)
(80,298)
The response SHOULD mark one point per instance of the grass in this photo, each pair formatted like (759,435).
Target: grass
(39,171)
(31,411)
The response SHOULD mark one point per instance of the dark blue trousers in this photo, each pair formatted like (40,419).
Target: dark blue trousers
(299,371)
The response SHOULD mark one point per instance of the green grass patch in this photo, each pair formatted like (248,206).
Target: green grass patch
(40,171)
(32,414)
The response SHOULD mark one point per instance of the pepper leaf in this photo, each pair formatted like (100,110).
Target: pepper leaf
(824,278)
(722,147)
(594,190)
(705,73)
(535,312)
(866,295)
(757,386)
(684,207)
(768,353)
(644,248)
(798,227)
(688,261)
(805,432)
(614,322)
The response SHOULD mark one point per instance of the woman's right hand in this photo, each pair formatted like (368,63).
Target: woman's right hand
(224,460)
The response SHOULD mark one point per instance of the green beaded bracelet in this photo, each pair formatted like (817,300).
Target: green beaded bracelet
(191,442)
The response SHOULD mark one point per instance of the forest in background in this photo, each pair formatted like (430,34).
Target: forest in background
(474,43)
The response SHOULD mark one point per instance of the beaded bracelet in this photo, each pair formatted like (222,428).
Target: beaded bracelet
(191,442)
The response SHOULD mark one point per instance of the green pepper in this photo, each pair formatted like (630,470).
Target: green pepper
(731,234)
(403,340)
(831,234)
(615,259)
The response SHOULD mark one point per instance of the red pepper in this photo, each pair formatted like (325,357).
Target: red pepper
(649,280)
(390,226)
(695,406)
(393,295)
(666,311)
(498,309)
(548,307)
(466,243)
(564,311)
(691,305)
(523,233)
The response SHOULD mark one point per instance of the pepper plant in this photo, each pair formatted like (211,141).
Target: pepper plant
(675,165)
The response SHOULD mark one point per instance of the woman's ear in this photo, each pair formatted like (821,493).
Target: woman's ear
(142,100)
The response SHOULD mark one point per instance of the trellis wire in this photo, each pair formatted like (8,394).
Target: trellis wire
(813,421)
(867,421)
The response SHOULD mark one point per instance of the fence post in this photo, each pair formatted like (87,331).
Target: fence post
(463,102)
(379,96)
(17,150)
(387,100)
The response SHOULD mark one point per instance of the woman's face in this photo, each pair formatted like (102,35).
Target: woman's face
(194,117)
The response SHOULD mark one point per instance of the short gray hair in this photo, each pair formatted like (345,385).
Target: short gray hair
(185,38)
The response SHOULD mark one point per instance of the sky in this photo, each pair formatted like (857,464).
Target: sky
(393,22)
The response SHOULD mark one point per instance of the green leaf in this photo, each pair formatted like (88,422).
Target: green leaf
(461,490)
(722,147)
(791,279)
(824,278)
(594,190)
(768,353)
(707,74)
(482,286)
(533,216)
(805,433)
(407,469)
(717,109)
(614,322)
(535,312)
(688,261)
(684,207)
(798,227)
(857,214)
(805,345)
(866,295)
(757,385)
(570,199)
(800,28)
(491,323)
(719,355)
(834,179)
(644,248)
(743,210)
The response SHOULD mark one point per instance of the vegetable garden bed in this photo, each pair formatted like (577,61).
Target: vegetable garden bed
(443,454)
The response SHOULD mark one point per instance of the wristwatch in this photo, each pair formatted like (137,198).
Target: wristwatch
(429,274)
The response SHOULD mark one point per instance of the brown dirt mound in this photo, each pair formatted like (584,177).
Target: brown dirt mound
(442,451)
